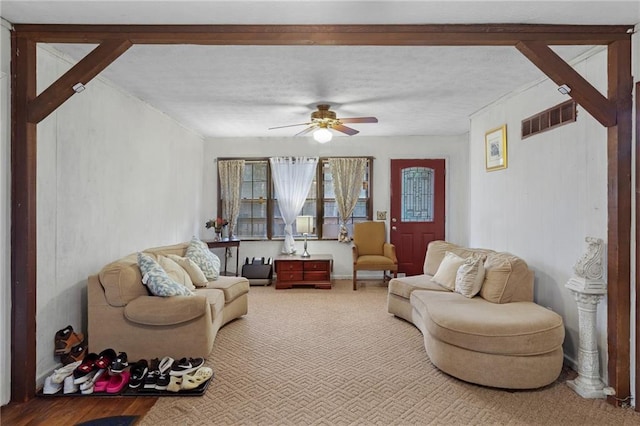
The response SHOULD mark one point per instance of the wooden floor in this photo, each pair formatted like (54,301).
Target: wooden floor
(72,410)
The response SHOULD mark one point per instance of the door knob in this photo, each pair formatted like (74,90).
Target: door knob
(394,220)
(394,228)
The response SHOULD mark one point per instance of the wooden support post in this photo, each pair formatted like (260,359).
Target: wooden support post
(23,221)
(619,212)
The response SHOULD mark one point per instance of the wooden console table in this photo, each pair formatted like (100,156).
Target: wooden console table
(227,244)
(297,270)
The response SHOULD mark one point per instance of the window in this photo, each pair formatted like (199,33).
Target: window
(260,216)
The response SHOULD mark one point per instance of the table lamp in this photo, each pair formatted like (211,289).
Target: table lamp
(304,225)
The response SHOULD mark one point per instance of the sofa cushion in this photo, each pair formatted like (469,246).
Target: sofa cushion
(176,272)
(122,281)
(404,286)
(195,273)
(374,261)
(232,287)
(470,277)
(503,273)
(519,328)
(157,280)
(437,249)
(446,273)
(203,257)
(151,310)
(215,299)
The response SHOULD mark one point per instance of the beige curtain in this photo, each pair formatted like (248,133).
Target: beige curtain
(347,174)
(231,172)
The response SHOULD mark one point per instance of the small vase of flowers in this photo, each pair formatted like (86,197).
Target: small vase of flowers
(217,224)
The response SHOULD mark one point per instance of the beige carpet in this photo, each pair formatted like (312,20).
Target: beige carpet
(336,357)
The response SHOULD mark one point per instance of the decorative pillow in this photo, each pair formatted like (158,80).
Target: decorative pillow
(195,273)
(157,280)
(176,272)
(446,273)
(201,255)
(470,277)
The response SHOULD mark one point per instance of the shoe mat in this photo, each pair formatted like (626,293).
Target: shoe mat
(199,391)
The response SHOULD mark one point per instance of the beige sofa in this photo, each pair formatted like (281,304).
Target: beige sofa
(123,316)
(498,338)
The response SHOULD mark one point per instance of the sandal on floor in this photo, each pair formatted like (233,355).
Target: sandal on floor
(88,386)
(78,352)
(62,373)
(118,382)
(66,339)
(88,366)
(192,381)
(101,384)
(105,358)
(174,384)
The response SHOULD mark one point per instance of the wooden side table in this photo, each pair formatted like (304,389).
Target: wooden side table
(227,244)
(297,270)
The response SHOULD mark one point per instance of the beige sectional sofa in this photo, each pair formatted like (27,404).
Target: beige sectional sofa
(123,316)
(498,338)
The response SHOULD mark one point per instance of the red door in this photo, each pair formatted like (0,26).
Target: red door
(417,210)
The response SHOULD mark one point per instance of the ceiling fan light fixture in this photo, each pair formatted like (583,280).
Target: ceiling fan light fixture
(322,135)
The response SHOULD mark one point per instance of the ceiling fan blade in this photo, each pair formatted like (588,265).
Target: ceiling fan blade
(305,131)
(359,120)
(344,129)
(290,125)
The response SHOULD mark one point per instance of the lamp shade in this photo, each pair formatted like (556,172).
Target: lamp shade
(304,224)
(322,135)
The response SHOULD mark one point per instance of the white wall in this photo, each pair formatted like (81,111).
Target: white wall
(5,213)
(454,149)
(552,195)
(114,176)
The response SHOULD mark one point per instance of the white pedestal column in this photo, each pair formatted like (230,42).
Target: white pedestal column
(588,289)
(588,383)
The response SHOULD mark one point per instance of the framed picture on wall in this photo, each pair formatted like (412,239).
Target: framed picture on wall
(495,148)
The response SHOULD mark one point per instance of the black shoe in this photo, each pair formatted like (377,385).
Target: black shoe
(186,366)
(163,373)
(138,373)
(151,378)
(119,363)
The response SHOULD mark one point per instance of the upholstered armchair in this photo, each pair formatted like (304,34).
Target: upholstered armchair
(371,252)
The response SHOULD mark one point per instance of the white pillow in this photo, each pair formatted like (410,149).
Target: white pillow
(446,273)
(470,277)
(195,273)
(176,272)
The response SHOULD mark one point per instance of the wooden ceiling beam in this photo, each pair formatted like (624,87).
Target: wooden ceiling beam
(333,35)
(83,72)
(562,73)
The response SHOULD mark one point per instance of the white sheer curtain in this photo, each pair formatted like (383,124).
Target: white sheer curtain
(231,172)
(292,177)
(347,175)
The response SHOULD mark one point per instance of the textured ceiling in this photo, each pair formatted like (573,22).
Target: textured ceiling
(227,91)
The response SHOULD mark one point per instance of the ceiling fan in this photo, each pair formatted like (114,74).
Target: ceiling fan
(324,119)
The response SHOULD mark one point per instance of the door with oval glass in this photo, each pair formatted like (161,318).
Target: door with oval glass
(417,209)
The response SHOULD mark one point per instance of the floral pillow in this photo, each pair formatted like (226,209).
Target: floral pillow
(208,262)
(157,280)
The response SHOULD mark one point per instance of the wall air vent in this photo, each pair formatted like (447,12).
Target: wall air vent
(550,118)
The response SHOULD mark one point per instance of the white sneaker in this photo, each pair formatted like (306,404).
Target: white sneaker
(69,386)
(50,388)
(62,373)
